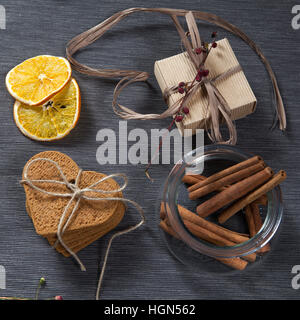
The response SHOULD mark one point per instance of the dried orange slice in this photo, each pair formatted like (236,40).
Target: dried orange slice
(37,79)
(52,120)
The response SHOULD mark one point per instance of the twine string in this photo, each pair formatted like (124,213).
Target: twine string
(76,195)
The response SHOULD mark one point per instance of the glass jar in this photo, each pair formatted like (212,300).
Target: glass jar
(200,254)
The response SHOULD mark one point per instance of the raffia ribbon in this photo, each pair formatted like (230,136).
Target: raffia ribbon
(131,76)
(76,194)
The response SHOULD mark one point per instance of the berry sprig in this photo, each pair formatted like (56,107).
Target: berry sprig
(184,88)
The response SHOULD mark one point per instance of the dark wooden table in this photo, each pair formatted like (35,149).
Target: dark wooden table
(140,266)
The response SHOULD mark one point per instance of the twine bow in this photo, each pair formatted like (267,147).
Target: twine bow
(131,76)
(76,194)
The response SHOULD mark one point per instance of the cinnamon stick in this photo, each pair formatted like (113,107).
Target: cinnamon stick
(263,200)
(254,195)
(188,215)
(266,248)
(258,224)
(225,181)
(256,218)
(192,178)
(250,221)
(235,263)
(168,229)
(162,211)
(239,166)
(234,192)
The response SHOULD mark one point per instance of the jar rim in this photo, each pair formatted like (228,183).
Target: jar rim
(267,231)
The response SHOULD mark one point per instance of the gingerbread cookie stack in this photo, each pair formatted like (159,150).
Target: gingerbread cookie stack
(90,221)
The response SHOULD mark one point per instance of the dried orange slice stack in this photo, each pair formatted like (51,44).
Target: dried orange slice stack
(48,100)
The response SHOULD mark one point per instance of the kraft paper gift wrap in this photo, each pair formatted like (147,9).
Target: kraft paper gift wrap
(235,88)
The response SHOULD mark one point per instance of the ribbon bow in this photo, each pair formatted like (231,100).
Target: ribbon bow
(76,194)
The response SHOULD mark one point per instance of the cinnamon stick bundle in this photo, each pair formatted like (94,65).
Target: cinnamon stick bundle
(225,181)
(247,182)
(239,166)
(234,192)
(254,195)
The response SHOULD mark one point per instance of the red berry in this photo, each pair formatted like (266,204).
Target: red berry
(179,118)
(200,72)
(214,34)
(181,84)
(185,110)
(180,90)
(214,45)
(198,50)
(205,73)
(198,77)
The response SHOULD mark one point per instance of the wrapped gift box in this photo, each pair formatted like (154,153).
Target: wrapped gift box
(235,88)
